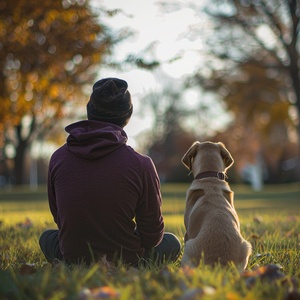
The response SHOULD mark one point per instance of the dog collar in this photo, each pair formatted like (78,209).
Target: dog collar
(220,175)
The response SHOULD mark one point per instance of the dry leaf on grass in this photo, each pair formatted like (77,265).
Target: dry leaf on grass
(196,293)
(269,273)
(103,292)
(27,269)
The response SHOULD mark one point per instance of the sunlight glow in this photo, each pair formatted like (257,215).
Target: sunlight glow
(175,45)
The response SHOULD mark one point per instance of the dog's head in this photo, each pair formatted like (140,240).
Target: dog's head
(209,155)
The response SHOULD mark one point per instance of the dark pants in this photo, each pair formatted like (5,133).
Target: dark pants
(168,250)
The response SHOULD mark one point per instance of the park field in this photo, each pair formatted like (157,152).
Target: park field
(270,220)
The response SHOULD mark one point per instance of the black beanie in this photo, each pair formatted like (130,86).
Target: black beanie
(110,102)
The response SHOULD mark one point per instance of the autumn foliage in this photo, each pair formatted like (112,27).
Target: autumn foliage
(49,51)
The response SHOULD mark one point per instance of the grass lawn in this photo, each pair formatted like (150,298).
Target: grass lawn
(270,220)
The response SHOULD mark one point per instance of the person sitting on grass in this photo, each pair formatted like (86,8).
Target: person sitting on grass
(104,196)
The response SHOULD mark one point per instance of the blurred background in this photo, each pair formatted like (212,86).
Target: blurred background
(213,70)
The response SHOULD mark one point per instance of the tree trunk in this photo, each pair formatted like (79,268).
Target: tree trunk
(19,162)
(23,143)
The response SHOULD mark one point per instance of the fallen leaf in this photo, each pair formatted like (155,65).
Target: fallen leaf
(293,292)
(27,269)
(26,224)
(195,293)
(192,294)
(188,271)
(269,273)
(232,296)
(103,292)
(290,233)
(292,295)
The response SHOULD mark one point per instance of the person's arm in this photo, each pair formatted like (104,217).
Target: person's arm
(149,219)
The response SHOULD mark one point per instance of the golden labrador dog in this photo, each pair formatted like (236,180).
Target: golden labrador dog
(211,222)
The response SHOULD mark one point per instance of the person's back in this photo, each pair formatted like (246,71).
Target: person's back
(104,196)
(94,194)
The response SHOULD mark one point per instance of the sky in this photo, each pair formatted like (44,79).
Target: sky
(150,23)
(169,32)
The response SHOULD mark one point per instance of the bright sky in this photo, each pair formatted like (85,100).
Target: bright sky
(170,31)
(151,24)
(172,34)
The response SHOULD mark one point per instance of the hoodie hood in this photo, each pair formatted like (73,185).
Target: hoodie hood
(94,139)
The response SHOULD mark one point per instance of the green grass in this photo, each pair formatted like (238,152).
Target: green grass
(270,220)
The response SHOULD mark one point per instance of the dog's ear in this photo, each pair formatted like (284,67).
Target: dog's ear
(228,160)
(187,157)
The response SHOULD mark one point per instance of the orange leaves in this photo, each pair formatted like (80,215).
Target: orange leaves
(50,16)
(47,36)
(71,16)
(103,292)
(54,91)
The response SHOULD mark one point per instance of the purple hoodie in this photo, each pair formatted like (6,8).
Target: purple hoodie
(104,196)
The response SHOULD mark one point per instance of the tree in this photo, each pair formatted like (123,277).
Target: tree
(49,52)
(262,126)
(264,32)
(169,137)
(253,66)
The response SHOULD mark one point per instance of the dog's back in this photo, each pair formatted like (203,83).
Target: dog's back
(213,229)
(212,225)
(219,238)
